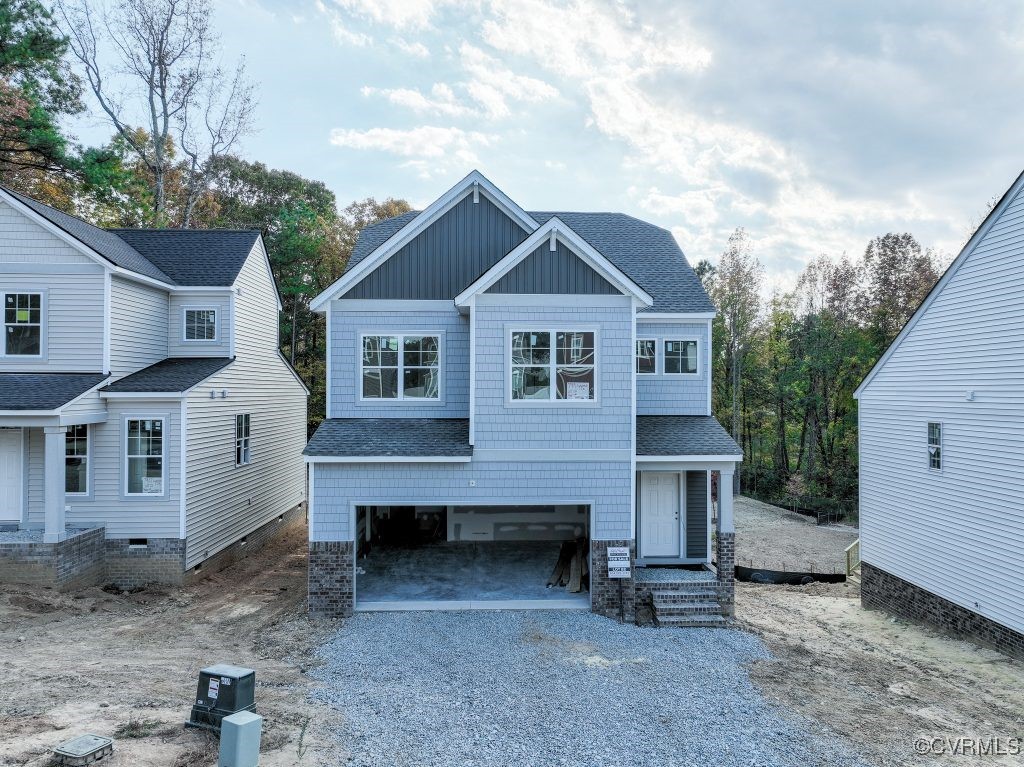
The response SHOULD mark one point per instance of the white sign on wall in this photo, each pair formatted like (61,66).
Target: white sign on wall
(618,562)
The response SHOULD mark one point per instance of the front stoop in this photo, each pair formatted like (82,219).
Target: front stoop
(687,604)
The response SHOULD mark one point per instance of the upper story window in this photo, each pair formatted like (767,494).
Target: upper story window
(646,356)
(201,324)
(681,357)
(401,367)
(76,460)
(935,446)
(144,456)
(243,450)
(553,365)
(23,324)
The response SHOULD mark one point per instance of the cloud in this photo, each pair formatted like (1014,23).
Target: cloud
(440,101)
(426,148)
(339,27)
(400,14)
(494,86)
(415,49)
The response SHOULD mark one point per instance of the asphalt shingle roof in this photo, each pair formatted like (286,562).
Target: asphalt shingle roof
(44,391)
(420,437)
(682,435)
(175,374)
(648,254)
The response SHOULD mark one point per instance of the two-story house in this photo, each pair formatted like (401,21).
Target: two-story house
(148,423)
(501,382)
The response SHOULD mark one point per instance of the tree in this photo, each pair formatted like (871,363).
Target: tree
(898,275)
(169,79)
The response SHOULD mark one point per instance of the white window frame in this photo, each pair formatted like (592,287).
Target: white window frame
(664,356)
(243,443)
(657,345)
(42,323)
(184,324)
(165,421)
(401,335)
(554,330)
(88,462)
(928,437)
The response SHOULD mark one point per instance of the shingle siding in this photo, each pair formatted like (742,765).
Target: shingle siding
(662,394)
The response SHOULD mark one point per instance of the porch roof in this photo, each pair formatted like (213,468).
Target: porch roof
(392,437)
(44,391)
(174,374)
(683,435)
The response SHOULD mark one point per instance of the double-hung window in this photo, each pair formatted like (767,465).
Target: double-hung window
(401,367)
(201,324)
(243,452)
(144,456)
(935,446)
(76,460)
(681,357)
(23,324)
(646,356)
(553,365)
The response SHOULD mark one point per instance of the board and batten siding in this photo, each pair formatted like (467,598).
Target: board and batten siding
(661,394)
(177,346)
(547,272)
(225,502)
(697,514)
(138,326)
(958,532)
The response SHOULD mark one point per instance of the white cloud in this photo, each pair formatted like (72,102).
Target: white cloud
(427,148)
(493,85)
(339,27)
(401,14)
(440,101)
(415,49)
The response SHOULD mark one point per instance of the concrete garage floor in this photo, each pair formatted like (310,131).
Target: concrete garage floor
(463,575)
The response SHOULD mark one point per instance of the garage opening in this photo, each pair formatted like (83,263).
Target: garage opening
(472,557)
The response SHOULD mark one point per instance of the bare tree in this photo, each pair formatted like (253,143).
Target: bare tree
(167,78)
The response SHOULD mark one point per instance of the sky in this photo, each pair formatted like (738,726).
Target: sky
(814,125)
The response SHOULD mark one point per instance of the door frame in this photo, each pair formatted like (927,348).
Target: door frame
(681,487)
(23,483)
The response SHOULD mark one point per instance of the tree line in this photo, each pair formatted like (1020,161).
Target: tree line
(152,71)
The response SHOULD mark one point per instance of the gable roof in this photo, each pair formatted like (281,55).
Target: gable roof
(177,257)
(174,374)
(997,211)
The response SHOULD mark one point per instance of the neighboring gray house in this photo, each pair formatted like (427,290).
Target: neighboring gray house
(141,392)
(501,381)
(942,447)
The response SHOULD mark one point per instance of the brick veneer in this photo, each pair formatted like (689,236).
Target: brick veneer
(605,591)
(883,591)
(67,565)
(331,578)
(160,560)
(726,565)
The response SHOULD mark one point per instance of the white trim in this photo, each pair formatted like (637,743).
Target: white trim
(44,325)
(107,312)
(183,472)
(664,358)
(233,328)
(954,267)
(330,363)
(310,507)
(928,444)
(688,458)
(472,371)
(388,459)
(186,308)
(88,461)
(389,305)
(636,340)
(246,440)
(401,398)
(711,366)
(560,300)
(580,247)
(675,317)
(632,432)
(533,455)
(165,423)
(529,326)
(22,476)
(145,394)
(474,181)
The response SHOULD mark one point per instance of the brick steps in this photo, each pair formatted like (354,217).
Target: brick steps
(687,604)
(692,621)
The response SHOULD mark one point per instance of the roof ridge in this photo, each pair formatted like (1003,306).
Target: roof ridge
(113,229)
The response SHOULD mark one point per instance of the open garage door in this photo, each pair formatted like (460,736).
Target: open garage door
(472,557)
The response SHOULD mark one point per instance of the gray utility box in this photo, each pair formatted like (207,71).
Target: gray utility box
(222,691)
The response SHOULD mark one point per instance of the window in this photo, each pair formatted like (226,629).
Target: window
(680,357)
(935,446)
(243,455)
(23,324)
(200,324)
(537,374)
(76,460)
(646,356)
(401,367)
(144,456)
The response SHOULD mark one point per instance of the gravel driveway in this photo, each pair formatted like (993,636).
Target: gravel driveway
(555,688)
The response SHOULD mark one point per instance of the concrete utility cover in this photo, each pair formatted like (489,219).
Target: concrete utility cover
(84,749)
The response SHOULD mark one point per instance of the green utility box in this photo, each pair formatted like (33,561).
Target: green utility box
(223,690)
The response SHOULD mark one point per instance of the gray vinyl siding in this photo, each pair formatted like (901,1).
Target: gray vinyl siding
(696,514)
(174,328)
(445,258)
(958,532)
(662,394)
(561,271)
(138,325)
(23,241)
(344,357)
(226,502)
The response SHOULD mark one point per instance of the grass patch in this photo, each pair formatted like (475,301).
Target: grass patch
(138,728)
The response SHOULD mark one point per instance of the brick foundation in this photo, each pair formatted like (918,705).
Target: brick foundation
(725,546)
(160,560)
(331,578)
(605,591)
(880,590)
(67,565)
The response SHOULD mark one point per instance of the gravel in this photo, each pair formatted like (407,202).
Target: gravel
(555,688)
(32,536)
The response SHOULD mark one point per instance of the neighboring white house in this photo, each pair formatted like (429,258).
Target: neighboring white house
(942,447)
(142,392)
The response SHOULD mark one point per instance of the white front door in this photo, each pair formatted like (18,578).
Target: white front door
(659,514)
(10,476)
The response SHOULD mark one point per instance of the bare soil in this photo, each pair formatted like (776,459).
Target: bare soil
(126,665)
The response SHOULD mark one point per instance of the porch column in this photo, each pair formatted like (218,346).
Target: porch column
(726,544)
(53,483)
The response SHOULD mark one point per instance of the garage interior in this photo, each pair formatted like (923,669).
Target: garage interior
(472,557)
